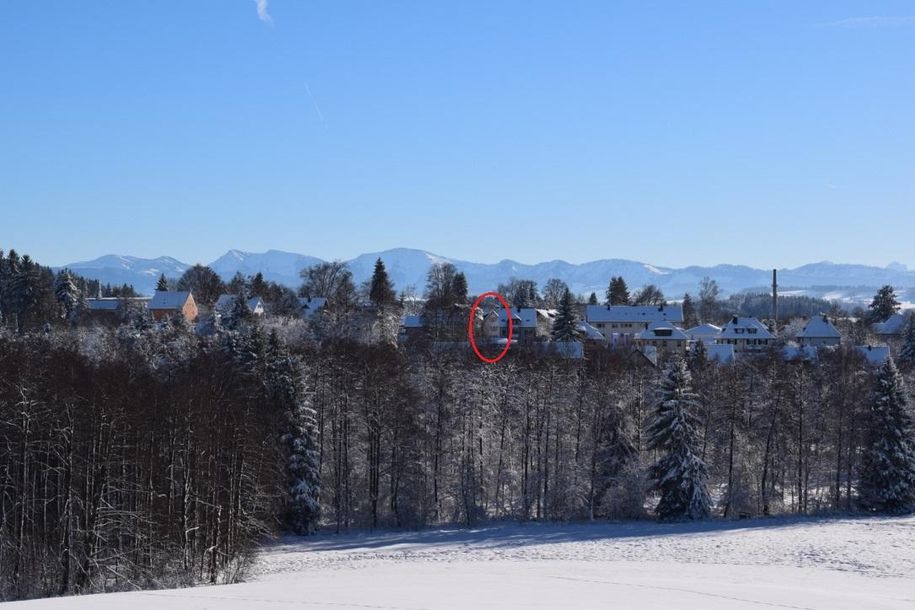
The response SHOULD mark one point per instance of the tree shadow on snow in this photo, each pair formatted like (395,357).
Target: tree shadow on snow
(515,534)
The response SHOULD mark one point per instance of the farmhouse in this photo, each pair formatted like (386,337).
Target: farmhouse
(167,304)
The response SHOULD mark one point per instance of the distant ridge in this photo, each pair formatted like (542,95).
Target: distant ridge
(408,267)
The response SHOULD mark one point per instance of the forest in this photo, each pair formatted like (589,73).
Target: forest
(146,455)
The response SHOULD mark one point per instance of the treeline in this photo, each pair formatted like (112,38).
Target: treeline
(137,459)
(414,438)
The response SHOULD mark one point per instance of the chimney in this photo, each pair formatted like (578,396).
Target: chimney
(775,302)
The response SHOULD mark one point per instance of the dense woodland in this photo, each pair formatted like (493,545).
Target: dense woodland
(146,455)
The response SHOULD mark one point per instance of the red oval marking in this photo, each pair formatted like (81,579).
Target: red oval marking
(473,311)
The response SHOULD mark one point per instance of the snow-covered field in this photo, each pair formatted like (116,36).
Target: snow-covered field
(859,563)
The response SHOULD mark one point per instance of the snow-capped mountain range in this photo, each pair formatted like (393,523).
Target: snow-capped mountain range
(408,267)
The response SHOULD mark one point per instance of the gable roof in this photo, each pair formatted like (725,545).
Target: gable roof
(795,352)
(721,353)
(875,355)
(819,327)
(169,300)
(524,317)
(103,304)
(310,305)
(894,325)
(704,330)
(634,313)
(745,328)
(663,331)
(589,332)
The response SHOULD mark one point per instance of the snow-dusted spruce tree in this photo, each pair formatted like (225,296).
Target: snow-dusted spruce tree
(698,355)
(298,436)
(907,351)
(67,294)
(679,475)
(565,327)
(888,461)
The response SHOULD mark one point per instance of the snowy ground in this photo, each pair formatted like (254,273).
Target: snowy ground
(776,563)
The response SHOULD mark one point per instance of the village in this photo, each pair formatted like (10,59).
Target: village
(654,333)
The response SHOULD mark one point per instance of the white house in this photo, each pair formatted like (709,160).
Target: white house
(226,302)
(621,324)
(892,326)
(664,336)
(875,355)
(528,324)
(707,333)
(819,332)
(746,334)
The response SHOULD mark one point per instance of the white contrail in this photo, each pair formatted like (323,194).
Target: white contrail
(314,102)
(262,13)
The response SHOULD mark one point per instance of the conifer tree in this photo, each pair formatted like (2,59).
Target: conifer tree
(884,304)
(67,294)
(162,284)
(679,475)
(888,460)
(617,292)
(698,355)
(907,351)
(690,317)
(381,290)
(565,327)
(298,436)
(592,300)
(459,287)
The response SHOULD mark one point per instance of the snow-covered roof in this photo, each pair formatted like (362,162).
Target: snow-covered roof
(589,332)
(569,349)
(634,313)
(704,331)
(412,322)
(819,327)
(664,331)
(103,304)
(524,317)
(894,325)
(651,353)
(167,299)
(310,305)
(745,328)
(225,302)
(720,353)
(793,351)
(875,355)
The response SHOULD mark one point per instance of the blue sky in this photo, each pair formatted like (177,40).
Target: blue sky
(763,133)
